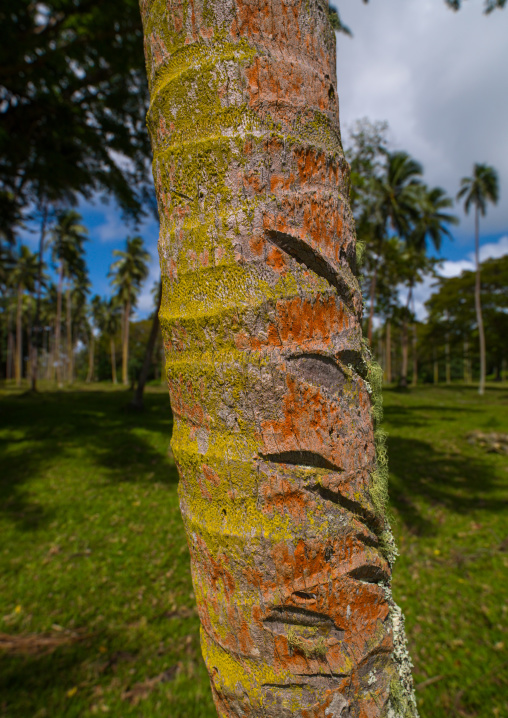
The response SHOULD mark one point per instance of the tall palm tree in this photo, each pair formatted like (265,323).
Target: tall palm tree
(23,278)
(67,240)
(479,189)
(129,272)
(431,224)
(394,209)
(110,328)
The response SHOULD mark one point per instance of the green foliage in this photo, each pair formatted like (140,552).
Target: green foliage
(130,270)
(74,96)
(479,189)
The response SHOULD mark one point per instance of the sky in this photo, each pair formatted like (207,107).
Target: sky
(440,80)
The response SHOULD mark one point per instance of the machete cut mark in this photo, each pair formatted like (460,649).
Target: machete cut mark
(318,370)
(369,573)
(281,616)
(311,259)
(308,459)
(366,517)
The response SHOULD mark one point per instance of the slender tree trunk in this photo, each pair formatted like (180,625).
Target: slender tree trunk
(50,364)
(388,367)
(466,362)
(137,399)
(113,360)
(9,369)
(18,367)
(37,323)
(448,374)
(70,354)
(405,341)
(478,304)
(125,347)
(279,483)
(91,358)
(436,368)
(58,325)
(415,340)
(372,299)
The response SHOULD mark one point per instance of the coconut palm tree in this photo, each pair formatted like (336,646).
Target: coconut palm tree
(23,278)
(129,272)
(67,251)
(392,209)
(477,191)
(431,224)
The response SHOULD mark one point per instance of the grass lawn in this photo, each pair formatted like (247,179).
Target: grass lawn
(96,604)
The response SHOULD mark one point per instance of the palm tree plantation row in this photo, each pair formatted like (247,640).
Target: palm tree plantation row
(53,329)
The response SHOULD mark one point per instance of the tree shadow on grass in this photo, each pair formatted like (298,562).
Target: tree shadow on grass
(458,483)
(36,431)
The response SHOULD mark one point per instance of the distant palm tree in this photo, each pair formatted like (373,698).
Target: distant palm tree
(431,224)
(23,278)
(394,208)
(129,272)
(110,328)
(67,239)
(478,190)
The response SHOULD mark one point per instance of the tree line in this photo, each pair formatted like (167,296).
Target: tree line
(47,323)
(400,221)
(48,326)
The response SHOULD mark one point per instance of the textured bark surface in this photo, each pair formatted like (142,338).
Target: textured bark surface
(282,470)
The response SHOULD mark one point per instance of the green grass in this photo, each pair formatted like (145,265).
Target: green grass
(96,605)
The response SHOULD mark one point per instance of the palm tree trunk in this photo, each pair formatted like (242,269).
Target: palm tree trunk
(113,359)
(9,369)
(252,358)
(70,358)
(405,342)
(388,365)
(415,339)
(125,348)
(448,374)
(371,304)
(137,399)
(37,323)
(58,325)
(91,358)
(466,362)
(19,338)
(478,305)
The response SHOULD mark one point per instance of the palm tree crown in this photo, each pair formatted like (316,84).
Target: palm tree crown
(481,188)
(130,269)
(67,238)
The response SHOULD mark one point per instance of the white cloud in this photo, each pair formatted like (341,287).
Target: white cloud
(439,78)
(449,268)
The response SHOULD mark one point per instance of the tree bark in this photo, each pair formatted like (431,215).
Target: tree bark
(70,353)
(414,381)
(58,326)
(448,375)
(113,359)
(371,304)
(91,358)
(18,365)
(125,344)
(466,362)
(37,323)
(436,369)
(478,304)
(137,399)
(270,385)
(388,367)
